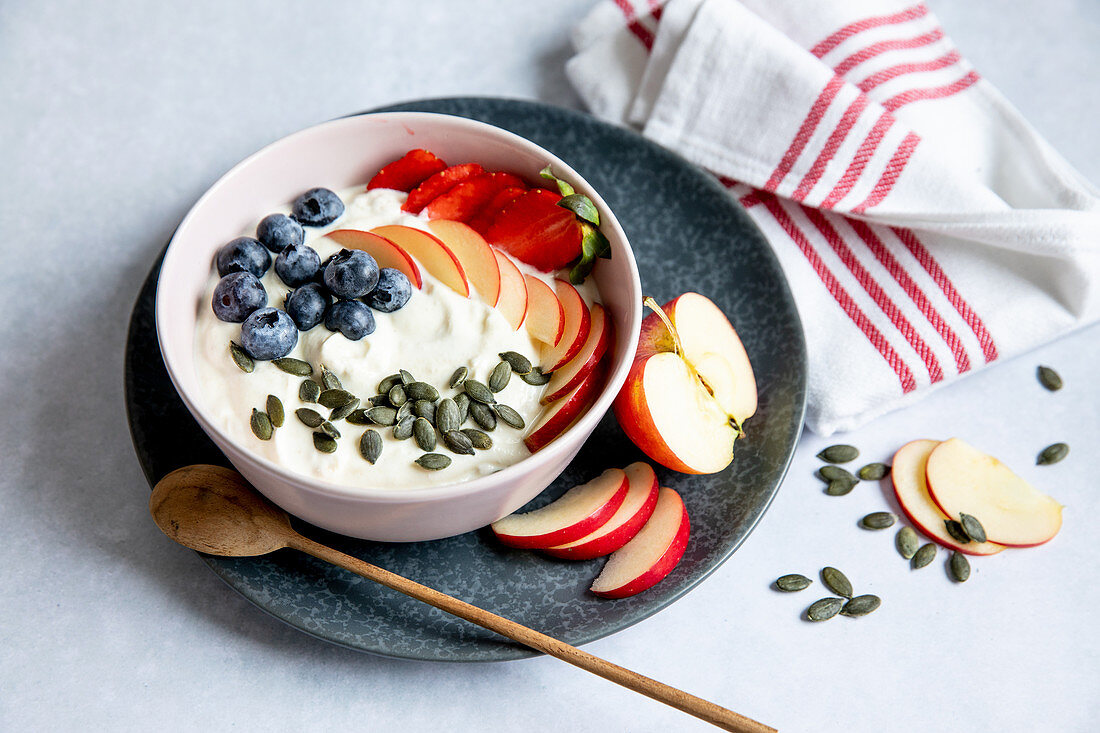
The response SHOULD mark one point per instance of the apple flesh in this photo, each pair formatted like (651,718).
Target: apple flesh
(435,256)
(580,366)
(545,314)
(651,555)
(563,413)
(384,252)
(578,322)
(636,509)
(475,255)
(1013,512)
(575,514)
(512,303)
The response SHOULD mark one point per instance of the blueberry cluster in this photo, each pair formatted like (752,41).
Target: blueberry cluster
(343,291)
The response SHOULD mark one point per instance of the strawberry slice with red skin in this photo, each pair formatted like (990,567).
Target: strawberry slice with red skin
(481,221)
(469,196)
(408,172)
(439,184)
(535,230)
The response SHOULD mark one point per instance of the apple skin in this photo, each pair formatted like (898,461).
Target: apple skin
(578,321)
(564,413)
(600,336)
(478,262)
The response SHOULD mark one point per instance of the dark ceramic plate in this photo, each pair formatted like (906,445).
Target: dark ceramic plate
(687,234)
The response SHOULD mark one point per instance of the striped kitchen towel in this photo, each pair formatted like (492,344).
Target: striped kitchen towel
(925,228)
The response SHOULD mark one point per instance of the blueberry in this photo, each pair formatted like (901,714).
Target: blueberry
(351,318)
(297,264)
(392,292)
(306,305)
(237,295)
(351,274)
(243,254)
(268,334)
(279,231)
(317,207)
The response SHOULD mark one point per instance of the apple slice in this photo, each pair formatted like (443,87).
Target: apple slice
(578,321)
(435,256)
(545,314)
(637,508)
(384,252)
(475,254)
(911,490)
(563,413)
(572,516)
(651,555)
(512,303)
(1013,512)
(581,365)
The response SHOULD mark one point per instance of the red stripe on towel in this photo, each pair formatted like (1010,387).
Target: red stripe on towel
(805,131)
(847,121)
(916,95)
(839,37)
(859,161)
(881,77)
(640,32)
(891,174)
(882,47)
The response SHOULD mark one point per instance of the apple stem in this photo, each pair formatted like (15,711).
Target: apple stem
(652,304)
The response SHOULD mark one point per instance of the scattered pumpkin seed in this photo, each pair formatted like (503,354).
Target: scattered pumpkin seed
(388,383)
(403,430)
(404,411)
(397,396)
(955,529)
(519,363)
(309,418)
(329,380)
(335,397)
(433,461)
(960,567)
(925,555)
(500,376)
(424,434)
(907,542)
(1052,454)
(878,520)
(261,425)
(836,581)
(458,377)
(339,413)
(421,391)
(874,472)
(478,392)
(458,442)
(792,583)
(835,473)
(824,609)
(1049,378)
(405,377)
(839,487)
(290,365)
(330,430)
(478,439)
(309,391)
(483,416)
(425,409)
(379,399)
(241,357)
(861,605)
(462,402)
(446,415)
(370,446)
(358,417)
(275,411)
(324,443)
(839,454)
(536,377)
(382,415)
(973,528)
(510,416)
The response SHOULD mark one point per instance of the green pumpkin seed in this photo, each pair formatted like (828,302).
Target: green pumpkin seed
(500,376)
(290,365)
(1052,454)
(446,415)
(458,377)
(955,529)
(839,487)
(403,430)
(370,446)
(241,357)
(792,583)
(878,520)
(874,472)
(309,418)
(421,391)
(424,434)
(519,363)
(309,391)
(329,380)
(861,605)
(405,377)
(536,377)
(433,461)
(261,425)
(343,411)
(425,409)
(973,528)
(835,473)
(397,396)
(925,555)
(836,581)
(336,397)
(275,411)
(907,542)
(382,415)
(478,392)
(1049,378)
(824,609)
(839,454)
(330,430)
(458,442)
(960,567)
(478,439)
(388,383)
(404,411)
(462,402)
(510,416)
(324,443)
(483,416)
(358,417)
(377,400)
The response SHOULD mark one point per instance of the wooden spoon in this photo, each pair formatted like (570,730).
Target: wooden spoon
(214,510)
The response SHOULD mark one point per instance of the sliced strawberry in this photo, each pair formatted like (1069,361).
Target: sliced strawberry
(483,219)
(405,174)
(438,184)
(535,230)
(469,196)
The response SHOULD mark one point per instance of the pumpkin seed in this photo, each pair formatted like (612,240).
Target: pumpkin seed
(343,411)
(388,383)
(290,365)
(458,377)
(478,392)
(907,542)
(335,397)
(792,583)
(839,487)
(424,434)
(500,376)
(261,425)
(324,443)
(483,416)
(358,417)
(379,399)
(839,454)
(510,416)
(370,446)
(462,402)
(404,411)
(861,605)
(425,409)
(836,581)
(824,609)
(329,380)
(960,567)
(241,357)
(382,415)
(925,555)
(878,520)
(956,531)
(519,363)
(309,391)
(478,439)
(446,415)
(330,430)
(1052,454)
(433,461)
(275,411)
(1049,378)
(309,418)
(536,377)
(835,473)
(459,442)
(973,528)
(404,429)
(397,396)
(874,472)
(405,377)
(421,391)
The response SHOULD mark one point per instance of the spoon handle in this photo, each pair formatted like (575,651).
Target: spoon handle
(697,706)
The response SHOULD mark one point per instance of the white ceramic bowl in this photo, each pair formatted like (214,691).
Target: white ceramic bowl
(335,155)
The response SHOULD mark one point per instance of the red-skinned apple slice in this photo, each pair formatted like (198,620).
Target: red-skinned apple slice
(636,509)
(911,490)
(589,355)
(563,413)
(1013,512)
(435,256)
(578,321)
(545,314)
(512,303)
(384,252)
(572,516)
(477,258)
(651,555)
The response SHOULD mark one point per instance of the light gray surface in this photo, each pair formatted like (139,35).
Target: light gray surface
(116,118)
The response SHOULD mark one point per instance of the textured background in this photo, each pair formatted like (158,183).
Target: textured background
(117,117)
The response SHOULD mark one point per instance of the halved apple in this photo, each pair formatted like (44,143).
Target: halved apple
(436,257)
(545,314)
(651,555)
(572,516)
(636,509)
(384,252)
(512,303)
(1013,512)
(580,366)
(563,413)
(578,321)
(911,490)
(475,254)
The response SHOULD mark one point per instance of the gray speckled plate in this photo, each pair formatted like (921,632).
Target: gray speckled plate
(687,234)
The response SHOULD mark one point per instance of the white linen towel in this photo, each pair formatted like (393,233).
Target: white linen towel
(925,228)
